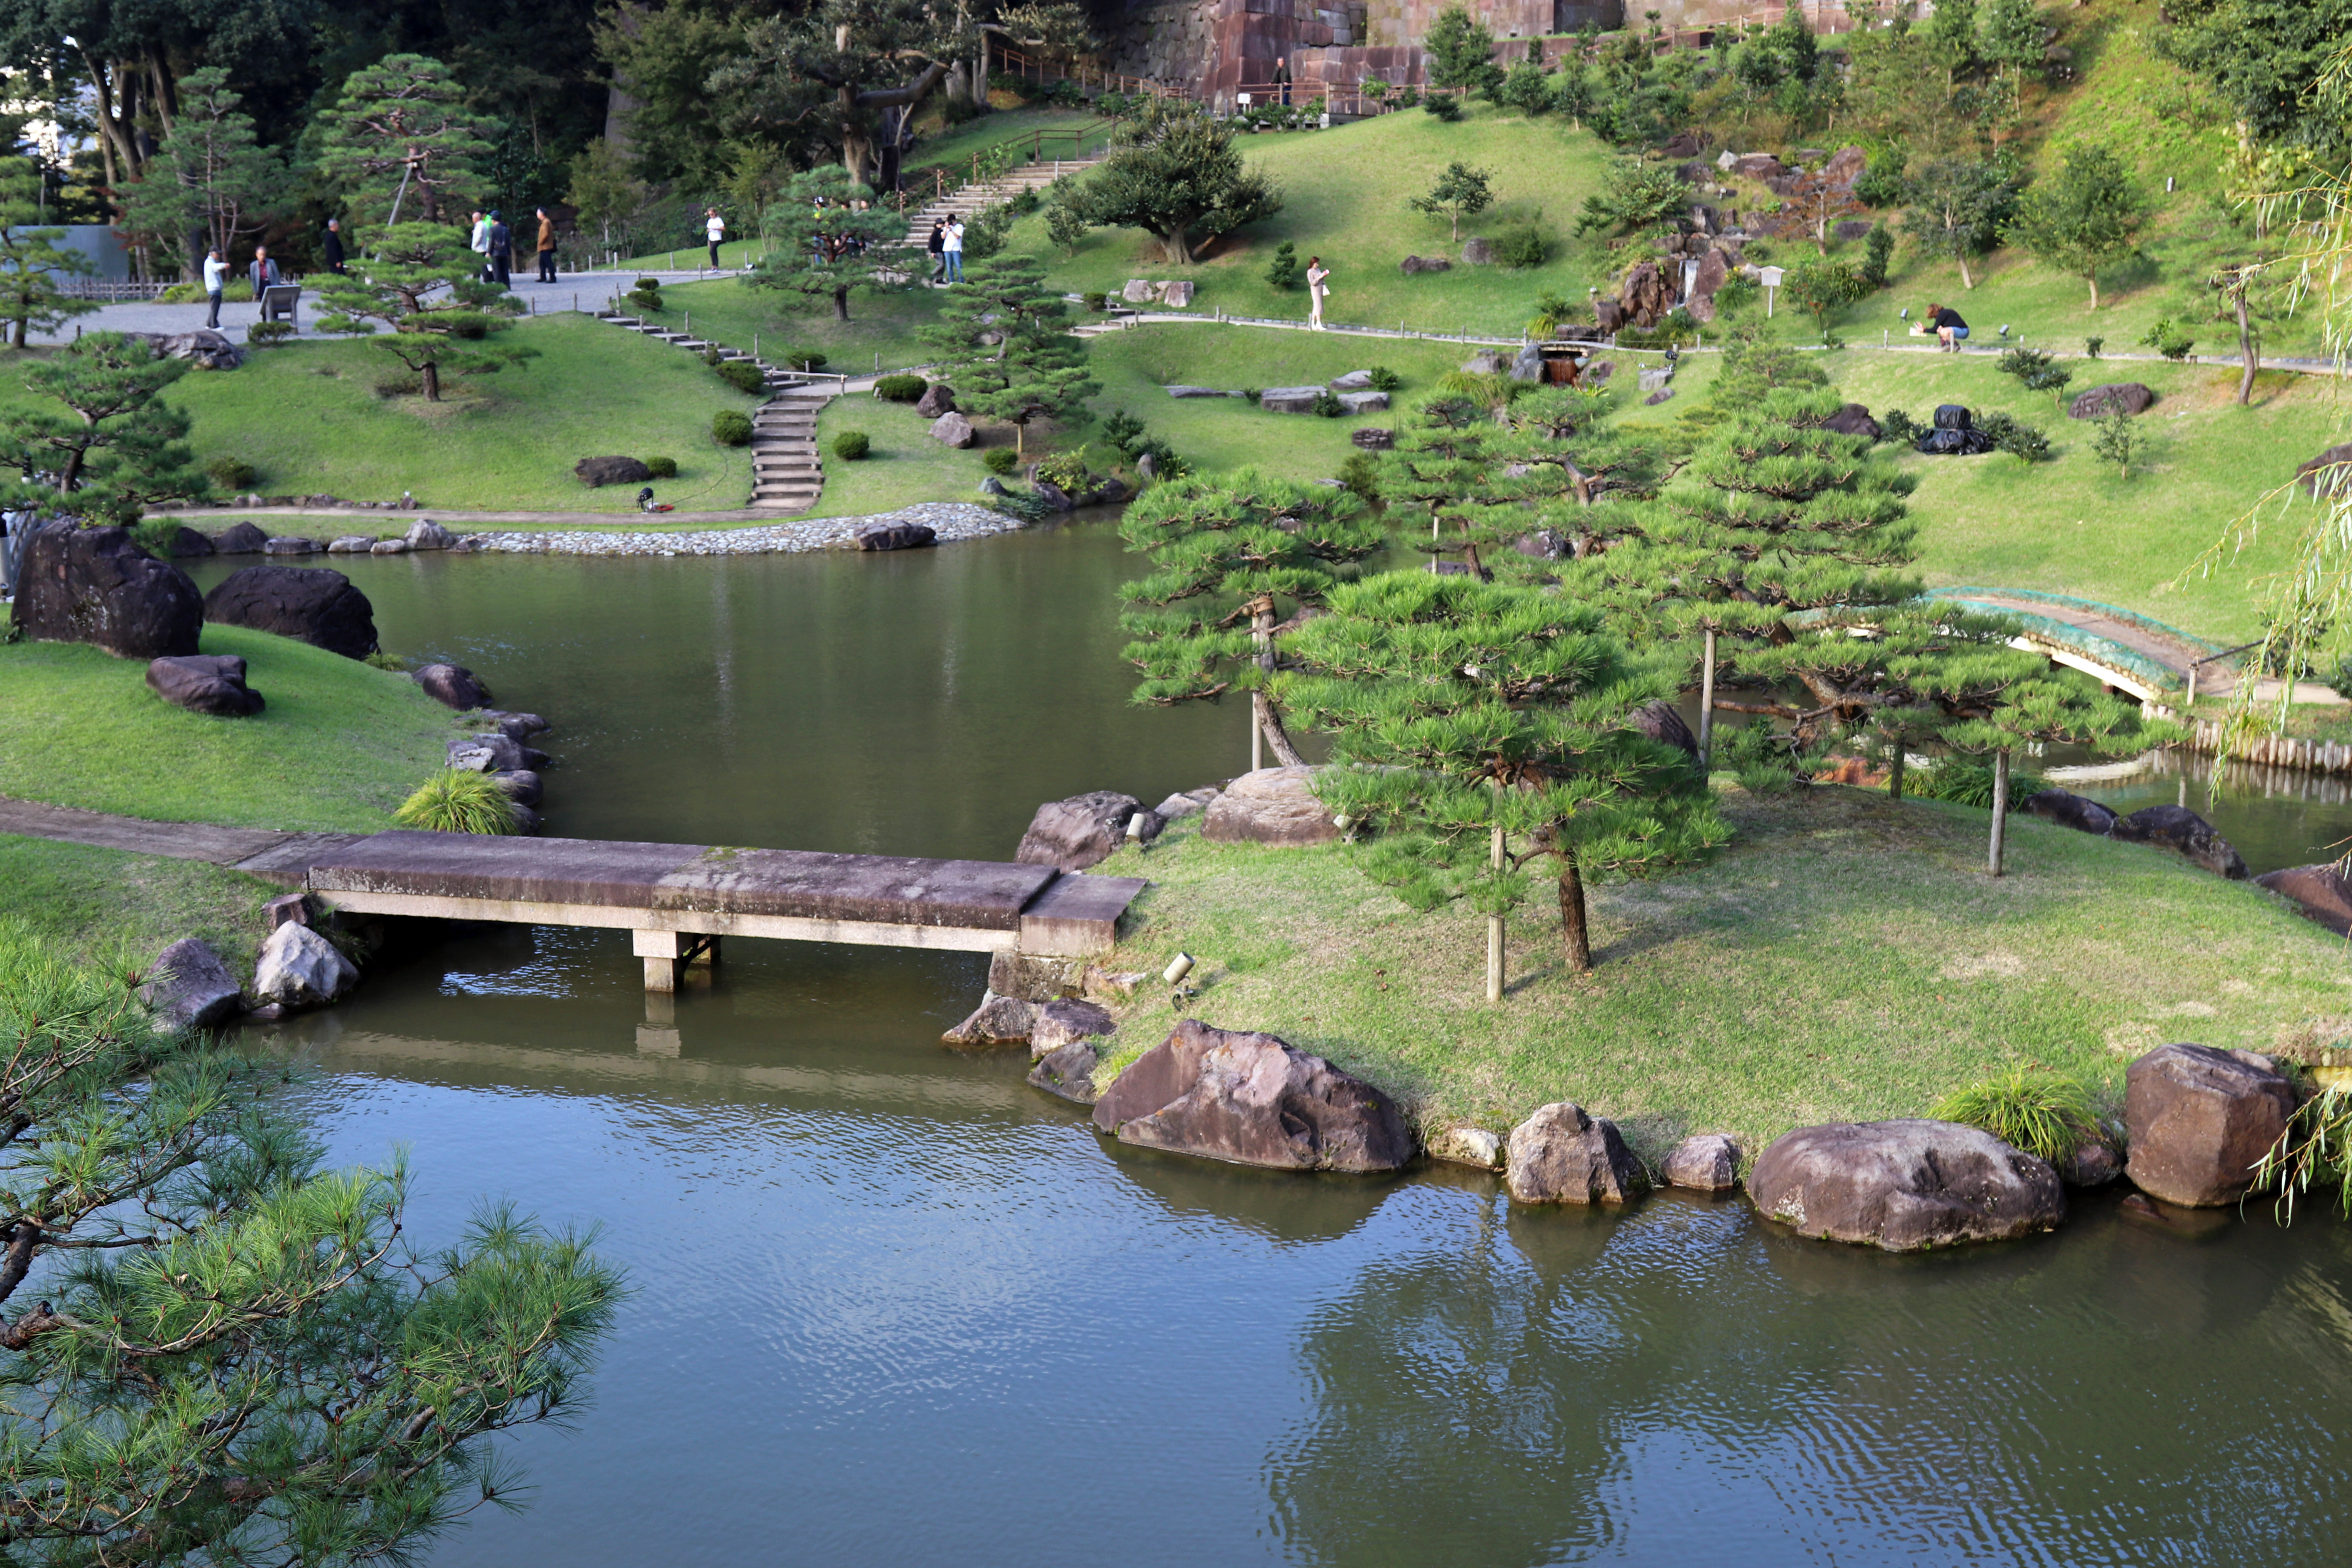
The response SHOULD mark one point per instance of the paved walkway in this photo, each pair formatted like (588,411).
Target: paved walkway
(274,856)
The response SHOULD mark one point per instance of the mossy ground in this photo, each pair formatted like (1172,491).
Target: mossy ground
(1846,958)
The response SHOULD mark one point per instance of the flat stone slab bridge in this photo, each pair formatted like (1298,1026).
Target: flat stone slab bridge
(677,899)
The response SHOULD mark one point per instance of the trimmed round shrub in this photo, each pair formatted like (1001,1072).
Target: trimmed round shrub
(732,427)
(805,359)
(743,375)
(457,800)
(1096,301)
(1522,246)
(901,388)
(1000,460)
(231,473)
(851,444)
(1327,404)
(268,334)
(661,467)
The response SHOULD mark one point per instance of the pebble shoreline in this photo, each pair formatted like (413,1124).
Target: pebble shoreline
(948,519)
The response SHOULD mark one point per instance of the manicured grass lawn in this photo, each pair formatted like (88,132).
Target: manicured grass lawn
(903,466)
(339,745)
(308,418)
(1846,958)
(103,902)
(882,327)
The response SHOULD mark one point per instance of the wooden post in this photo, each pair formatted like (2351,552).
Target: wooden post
(1706,706)
(1495,926)
(2000,805)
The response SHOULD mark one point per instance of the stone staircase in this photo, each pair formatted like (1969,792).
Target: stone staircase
(991,192)
(787,473)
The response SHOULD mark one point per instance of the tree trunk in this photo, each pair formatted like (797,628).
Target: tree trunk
(430,376)
(841,303)
(1494,927)
(2000,807)
(1263,712)
(1706,706)
(1965,281)
(1895,772)
(1577,940)
(2245,350)
(1177,244)
(2092,280)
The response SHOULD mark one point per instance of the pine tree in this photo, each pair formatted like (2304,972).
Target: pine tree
(1999,699)
(1175,171)
(31,259)
(1032,368)
(1234,560)
(400,143)
(1459,51)
(1477,726)
(1460,192)
(116,447)
(827,246)
(211,184)
(426,287)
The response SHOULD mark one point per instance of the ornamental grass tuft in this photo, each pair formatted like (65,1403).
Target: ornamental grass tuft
(2044,1113)
(457,801)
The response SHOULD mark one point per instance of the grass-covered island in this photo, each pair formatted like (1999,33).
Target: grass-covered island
(1844,958)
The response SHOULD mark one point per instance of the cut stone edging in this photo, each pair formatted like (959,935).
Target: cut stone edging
(946,519)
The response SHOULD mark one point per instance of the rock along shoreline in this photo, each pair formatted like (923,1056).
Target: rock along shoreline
(946,519)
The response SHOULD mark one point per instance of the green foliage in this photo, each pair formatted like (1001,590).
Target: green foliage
(31,259)
(1177,173)
(401,129)
(1282,272)
(1634,198)
(1442,108)
(1825,286)
(1959,205)
(732,427)
(2008,36)
(901,388)
(661,467)
(851,446)
(2266,58)
(1526,88)
(1523,245)
(1000,460)
(2013,435)
(743,376)
(459,800)
(2091,346)
(2037,371)
(831,237)
(2046,1114)
(2115,436)
(2315,1149)
(1094,299)
(1360,476)
(1123,431)
(803,360)
(1460,192)
(1066,472)
(211,181)
(2083,218)
(116,446)
(1877,254)
(646,296)
(1383,379)
(2168,340)
(1899,428)
(231,473)
(1035,369)
(1025,202)
(1326,404)
(1963,782)
(1459,51)
(1881,183)
(424,287)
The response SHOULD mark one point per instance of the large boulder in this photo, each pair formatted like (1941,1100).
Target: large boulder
(938,398)
(299,968)
(1528,365)
(1845,167)
(1905,1185)
(454,685)
(1252,1100)
(1478,251)
(1560,1155)
(1714,272)
(490,753)
(1706,1164)
(2083,815)
(1465,1145)
(427,534)
(205,683)
(894,536)
(1853,419)
(2177,827)
(241,539)
(598,472)
(1354,381)
(1289,399)
(1358,403)
(1659,721)
(1067,1021)
(1758,166)
(1272,806)
(190,986)
(1068,1071)
(291,544)
(1081,831)
(2329,473)
(1412,264)
(94,585)
(2128,395)
(997,1021)
(188,544)
(2197,1120)
(952,429)
(205,348)
(2319,891)
(316,606)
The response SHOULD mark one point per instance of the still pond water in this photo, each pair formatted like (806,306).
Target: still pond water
(894,1307)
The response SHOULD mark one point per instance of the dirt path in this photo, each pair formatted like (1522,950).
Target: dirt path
(274,856)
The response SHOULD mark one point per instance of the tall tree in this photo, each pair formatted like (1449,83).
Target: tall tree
(2000,700)
(827,246)
(1959,206)
(1479,726)
(2086,216)
(1002,346)
(2010,34)
(423,286)
(212,183)
(400,143)
(31,260)
(2267,59)
(850,73)
(1460,50)
(1235,561)
(116,446)
(235,1355)
(1177,174)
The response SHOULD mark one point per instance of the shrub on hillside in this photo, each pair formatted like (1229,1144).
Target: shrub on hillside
(1024,202)
(2015,437)
(1897,426)
(1523,245)
(1167,463)
(1096,301)
(1385,379)
(1282,272)
(803,359)
(456,800)
(268,334)
(646,296)
(743,376)
(1326,403)
(1123,431)
(732,427)
(901,388)
(1444,106)
(1066,472)
(2046,1114)
(231,473)
(2036,370)
(661,467)
(2169,340)
(851,446)
(1000,460)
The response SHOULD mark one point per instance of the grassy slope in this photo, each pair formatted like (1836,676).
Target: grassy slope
(339,745)
(881,328)
(307,417)
(904,464)
(1845,959)
(101,903)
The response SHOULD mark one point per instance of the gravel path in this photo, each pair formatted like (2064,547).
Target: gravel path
(949,520)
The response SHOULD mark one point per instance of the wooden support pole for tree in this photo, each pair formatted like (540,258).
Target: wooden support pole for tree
(1706,706)
(1494,927)
(2000,805)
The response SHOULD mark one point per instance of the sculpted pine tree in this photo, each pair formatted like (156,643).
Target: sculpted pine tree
(1002,346)
(1477,726)
(116,446)
(425,286)
(1234,560)
(1177,174)
(400,143)
(217,1351)
(825,246)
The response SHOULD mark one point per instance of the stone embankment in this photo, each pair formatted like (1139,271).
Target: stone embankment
(947,521)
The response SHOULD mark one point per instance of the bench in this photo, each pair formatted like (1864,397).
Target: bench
(280,300)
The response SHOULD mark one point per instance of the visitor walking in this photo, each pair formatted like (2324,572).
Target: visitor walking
(265,276)
(216,282)
(480,243)
(714,230)
(1951,331)
(1282,79)
(332,248)
(501,252)
(938,248)
(1317,288)
(952,248)
(546,247)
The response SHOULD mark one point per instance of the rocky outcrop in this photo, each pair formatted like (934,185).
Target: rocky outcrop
(938,398)
(1083,830)
(205,348)
(521,786)
(952,429)
(318,607)
(94,585)
(2070,811)
(191,987)
(1251,1100)
(427,534)
(2128,395)
(1905,1186)
(1067,1021)
(187,544)
(1289,399)
(2198,1119)
(299,968)
(2094,1163)
(1413,263)
(598,472)
(490,753)
(2319,891)
(1660,721)
(1560,1155)
(452,686)
(997,1021)
(2177,828)
(1706,1164)
(1272,806)
(241,539)
(895,536)
(1068,1071)
(1478,251)
(205,683)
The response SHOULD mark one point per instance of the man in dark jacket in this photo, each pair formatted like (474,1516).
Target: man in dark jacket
(938,248)
(546,247)
(264,275)
(332,248)
(501,252)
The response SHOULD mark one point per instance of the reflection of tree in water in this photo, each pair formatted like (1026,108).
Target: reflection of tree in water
(1538,1387)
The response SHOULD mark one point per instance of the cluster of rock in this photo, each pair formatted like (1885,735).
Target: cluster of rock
(946,521)
(1177,294)
(2173,828)
(205,348)
(191,987)
(1355,391)
(245,539)
(498,751)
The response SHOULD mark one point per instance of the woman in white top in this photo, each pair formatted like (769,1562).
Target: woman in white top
(714,230)
(952,248)
(1317,280)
